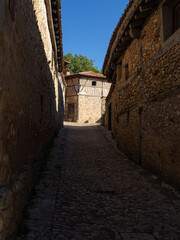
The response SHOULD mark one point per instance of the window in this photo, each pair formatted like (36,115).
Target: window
(176,17)
(1,16)
(93,83)
(12,9)
(126,71)
(170,18)
(114,77)
(119,72)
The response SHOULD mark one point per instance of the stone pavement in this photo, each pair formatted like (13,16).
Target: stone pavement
(90,190)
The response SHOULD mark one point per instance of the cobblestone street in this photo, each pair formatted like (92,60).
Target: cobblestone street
(90,190)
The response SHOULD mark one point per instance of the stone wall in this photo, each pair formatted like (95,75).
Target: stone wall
(90,109)
(145,107)
(31,104)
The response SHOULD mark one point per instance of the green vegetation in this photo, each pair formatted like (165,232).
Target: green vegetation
(80,63)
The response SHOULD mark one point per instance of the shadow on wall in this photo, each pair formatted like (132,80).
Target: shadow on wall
(90,121)
(61,110)
(77,126)
(99,120)
(29,110)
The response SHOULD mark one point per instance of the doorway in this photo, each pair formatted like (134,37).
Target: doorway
(71,111)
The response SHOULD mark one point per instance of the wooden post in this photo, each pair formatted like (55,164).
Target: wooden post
(78,100)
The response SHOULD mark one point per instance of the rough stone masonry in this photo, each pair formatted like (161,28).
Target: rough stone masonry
(31,99)
(143,63)
(91,190)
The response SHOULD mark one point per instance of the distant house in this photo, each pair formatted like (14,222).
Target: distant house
(85,97)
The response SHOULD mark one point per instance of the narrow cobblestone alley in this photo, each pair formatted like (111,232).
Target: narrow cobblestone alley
(90,190)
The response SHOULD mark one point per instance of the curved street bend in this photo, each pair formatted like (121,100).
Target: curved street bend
(90,190)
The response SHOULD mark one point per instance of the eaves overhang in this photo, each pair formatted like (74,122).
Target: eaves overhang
(128,28)
(57,22)
(86,75)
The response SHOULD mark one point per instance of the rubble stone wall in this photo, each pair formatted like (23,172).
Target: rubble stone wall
(28,105)
(89,109)
(145,107)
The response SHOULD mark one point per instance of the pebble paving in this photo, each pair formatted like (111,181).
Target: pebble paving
(91,190)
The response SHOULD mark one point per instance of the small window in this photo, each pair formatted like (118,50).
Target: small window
(176,16)
(126,71)
(119,72)
(12,9)
(2,17)
(170,18)
(93,83)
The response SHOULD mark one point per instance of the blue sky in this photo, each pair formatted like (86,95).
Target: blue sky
(88,26)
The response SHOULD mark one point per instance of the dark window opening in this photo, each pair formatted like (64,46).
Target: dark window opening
(176,17)
(93,83)
(170,18)
(71,110)
(127,71)
(12,9)
(114,77)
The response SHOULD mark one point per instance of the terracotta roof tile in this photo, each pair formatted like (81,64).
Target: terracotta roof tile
(61,36)
(66,61)
(56,14)
(122,25)
(88,74)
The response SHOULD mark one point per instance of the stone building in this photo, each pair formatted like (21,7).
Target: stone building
(85,96)
(143,106)
(32,89)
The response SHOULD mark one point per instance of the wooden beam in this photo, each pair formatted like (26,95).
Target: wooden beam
(135,24)
(55,11)
(147,7)
(121,44)
(114,77)
(135,32)
(141,15)
(126,33)
(56,25)
(125,39)
(114,57)
(149,1)
(113,66)
(119,62)
(118,49)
